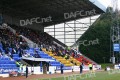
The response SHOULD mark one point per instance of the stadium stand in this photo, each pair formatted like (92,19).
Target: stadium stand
(47,43)
(16,47)
(13,46)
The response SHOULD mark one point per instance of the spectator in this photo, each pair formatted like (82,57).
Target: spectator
(26,71)
(90,67)
(81,68)
(61,67)
(67,56)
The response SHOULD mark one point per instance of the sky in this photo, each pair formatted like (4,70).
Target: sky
(107,3)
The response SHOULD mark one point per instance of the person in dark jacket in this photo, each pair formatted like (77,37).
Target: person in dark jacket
(81,68)
(26,71)
(61,67)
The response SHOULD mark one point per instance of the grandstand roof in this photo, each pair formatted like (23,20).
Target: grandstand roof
(27,9)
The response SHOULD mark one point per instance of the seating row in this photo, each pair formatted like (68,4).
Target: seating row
(8,65)
(7,62)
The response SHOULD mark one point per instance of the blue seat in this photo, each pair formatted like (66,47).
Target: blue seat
(15,55)
(6,62)
(16,58)
(8,65)
(12,65)
(0,65)
(12,62)
(5,58)
(48,57)
(43,54)
(3,61)
(31,49)
(3,65)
